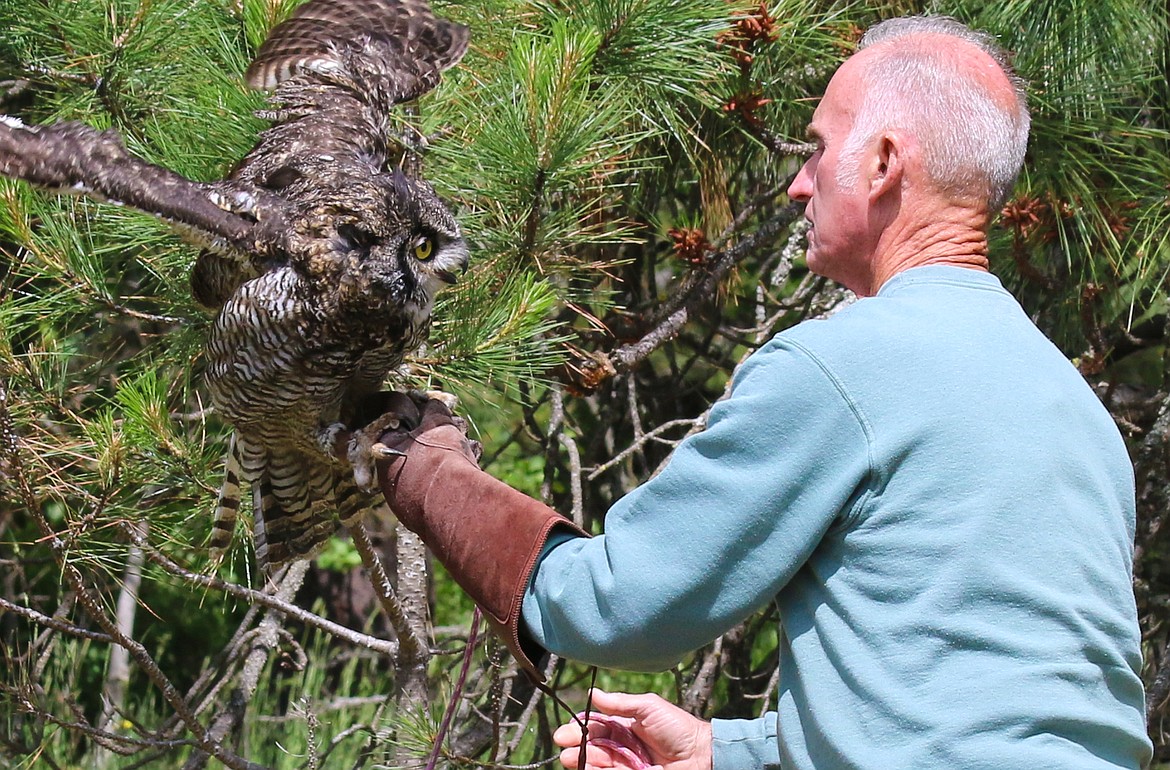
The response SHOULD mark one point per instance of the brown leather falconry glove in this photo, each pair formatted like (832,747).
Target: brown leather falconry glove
(485,533)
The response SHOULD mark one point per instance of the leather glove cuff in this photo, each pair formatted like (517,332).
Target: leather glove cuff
(487,535)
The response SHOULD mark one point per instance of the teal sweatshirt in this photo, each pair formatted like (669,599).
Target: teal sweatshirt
(943,512)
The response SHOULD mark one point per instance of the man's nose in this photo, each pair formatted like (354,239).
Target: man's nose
(801,189)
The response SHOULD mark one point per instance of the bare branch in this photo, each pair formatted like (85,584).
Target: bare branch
(411,646)
(53,623)
(676,311)
(650,435)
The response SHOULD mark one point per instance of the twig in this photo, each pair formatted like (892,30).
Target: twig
(530,709)
(632,406)
(779,146)
(698,694)
(200,693)
(57,625)
(267,600)
(556,421)
(456,691)
(769,689)
(750,209)
(556,435)
(128,743)
(47,642)
(650,435)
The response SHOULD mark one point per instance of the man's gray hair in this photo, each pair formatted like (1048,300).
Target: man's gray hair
(970,144)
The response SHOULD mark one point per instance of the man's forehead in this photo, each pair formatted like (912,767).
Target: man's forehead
(839,104)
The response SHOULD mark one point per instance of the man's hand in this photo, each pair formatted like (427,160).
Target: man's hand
(673,739)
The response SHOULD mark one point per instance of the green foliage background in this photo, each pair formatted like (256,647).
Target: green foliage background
(576,142)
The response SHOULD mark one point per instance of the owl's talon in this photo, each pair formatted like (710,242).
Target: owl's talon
(332,439)
(234,201)
(365,450)
(383,452)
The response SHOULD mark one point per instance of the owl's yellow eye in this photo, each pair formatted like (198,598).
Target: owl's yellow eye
(424,247)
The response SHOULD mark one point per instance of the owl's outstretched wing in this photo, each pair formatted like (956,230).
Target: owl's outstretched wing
(313,38)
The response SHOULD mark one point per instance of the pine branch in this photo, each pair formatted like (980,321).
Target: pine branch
(601,366)
(94,609)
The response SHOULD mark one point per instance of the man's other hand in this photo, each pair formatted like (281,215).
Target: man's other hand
(673,739)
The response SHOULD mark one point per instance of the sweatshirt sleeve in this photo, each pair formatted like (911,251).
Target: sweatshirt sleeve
(718,532)
(739,743)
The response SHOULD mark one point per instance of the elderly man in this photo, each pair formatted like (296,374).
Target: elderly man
(932,495)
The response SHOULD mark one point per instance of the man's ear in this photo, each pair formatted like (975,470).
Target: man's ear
(889,164)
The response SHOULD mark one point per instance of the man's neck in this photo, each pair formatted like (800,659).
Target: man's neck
(950,235)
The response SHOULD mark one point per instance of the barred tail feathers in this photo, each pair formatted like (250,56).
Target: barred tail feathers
(354,504)
(228,505)
(298,502)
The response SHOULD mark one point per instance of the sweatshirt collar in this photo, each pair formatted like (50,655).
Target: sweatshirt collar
(941,274)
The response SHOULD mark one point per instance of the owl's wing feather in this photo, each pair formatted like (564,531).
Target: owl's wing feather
(74,157)
(313,38)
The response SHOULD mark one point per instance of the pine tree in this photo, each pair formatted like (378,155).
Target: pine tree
(619,167)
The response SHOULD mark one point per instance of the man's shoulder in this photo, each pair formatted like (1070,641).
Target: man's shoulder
(921,307)
(860,325)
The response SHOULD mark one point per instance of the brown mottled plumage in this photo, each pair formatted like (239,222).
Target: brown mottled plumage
(299,343)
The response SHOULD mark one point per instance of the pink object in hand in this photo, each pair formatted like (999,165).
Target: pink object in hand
(616,736)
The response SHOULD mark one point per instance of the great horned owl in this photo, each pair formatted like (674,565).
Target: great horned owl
(296,346)
(335,281)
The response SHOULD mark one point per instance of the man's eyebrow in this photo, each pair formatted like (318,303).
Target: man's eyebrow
(812,134)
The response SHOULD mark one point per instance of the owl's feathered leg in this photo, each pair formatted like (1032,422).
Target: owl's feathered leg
(364,451)
(293,514)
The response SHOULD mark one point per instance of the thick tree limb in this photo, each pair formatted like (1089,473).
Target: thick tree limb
(411,645)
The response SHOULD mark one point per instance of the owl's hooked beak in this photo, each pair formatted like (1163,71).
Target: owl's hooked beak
(448,277)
